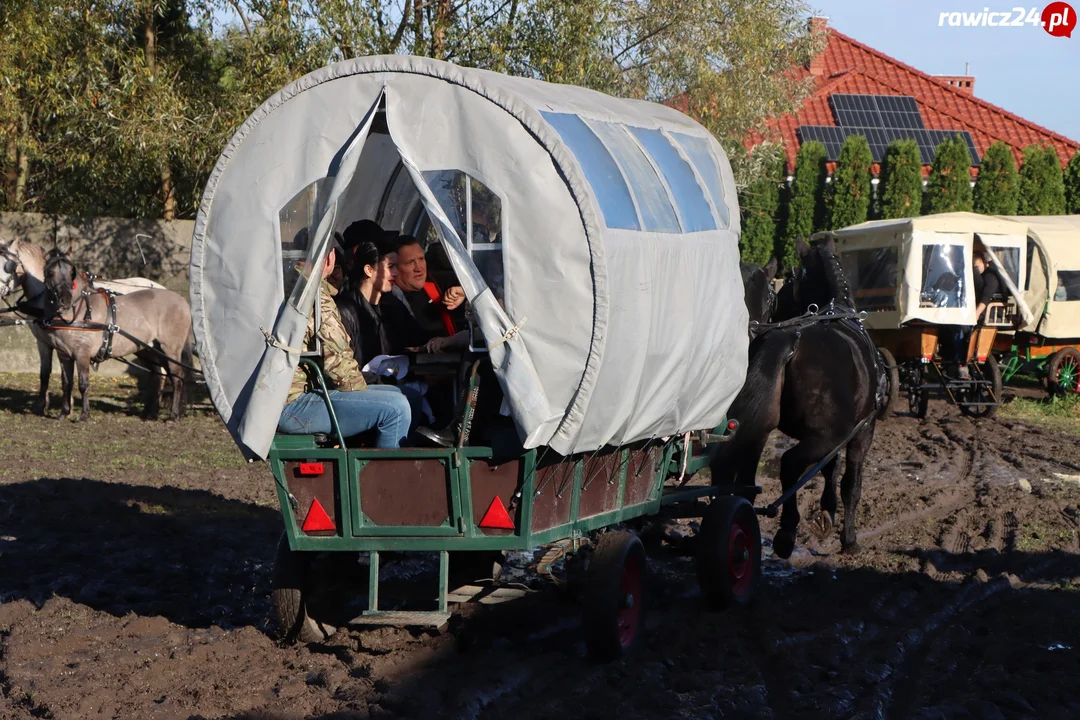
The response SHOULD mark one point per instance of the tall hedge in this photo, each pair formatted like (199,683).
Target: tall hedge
(949,187)
(1072,185)
(806,206)
(760,203)
(900,186)
(1042,187)
(997,189)
(847,197)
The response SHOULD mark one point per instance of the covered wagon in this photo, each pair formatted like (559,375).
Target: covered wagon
(606,290)
(914,278)
(1045,343)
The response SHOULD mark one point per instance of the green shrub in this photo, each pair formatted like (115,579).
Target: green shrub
(1042,186)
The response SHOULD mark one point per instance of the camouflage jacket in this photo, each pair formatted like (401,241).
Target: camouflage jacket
(338,364)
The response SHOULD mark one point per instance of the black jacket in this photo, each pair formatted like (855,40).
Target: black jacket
(364,323)
(987,285)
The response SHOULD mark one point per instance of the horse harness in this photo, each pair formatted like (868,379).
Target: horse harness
(108,328)
(844,316)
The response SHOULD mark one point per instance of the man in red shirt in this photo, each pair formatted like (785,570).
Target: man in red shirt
(434,310)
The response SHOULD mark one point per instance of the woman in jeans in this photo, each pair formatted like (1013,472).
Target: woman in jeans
(372,276)
(358,407)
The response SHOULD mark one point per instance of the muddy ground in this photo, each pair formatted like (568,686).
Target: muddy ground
(135,564)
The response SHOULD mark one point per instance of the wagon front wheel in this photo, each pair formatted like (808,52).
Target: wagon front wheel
(729,553)
(289,597)
(892,374)
(614,612)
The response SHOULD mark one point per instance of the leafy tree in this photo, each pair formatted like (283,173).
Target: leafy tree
(1042,187)
(760,209)
(121,107)
(949,186)
(806,207)
(900,186)
(997,189)
(847,197)
(1072,185)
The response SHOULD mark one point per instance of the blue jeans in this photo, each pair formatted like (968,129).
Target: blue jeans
(380,406)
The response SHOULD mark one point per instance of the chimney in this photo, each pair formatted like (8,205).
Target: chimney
(964,83)
(818,25)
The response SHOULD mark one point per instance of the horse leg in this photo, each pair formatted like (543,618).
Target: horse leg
(792,464)
(84,387)
(824,520)
(67,379)
(739,465)
(851,488)
(45,353)
(178,390)
(153,392)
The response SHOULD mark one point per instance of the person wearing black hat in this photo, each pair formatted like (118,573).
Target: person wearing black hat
(357,406)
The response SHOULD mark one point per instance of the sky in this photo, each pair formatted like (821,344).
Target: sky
(1022,69)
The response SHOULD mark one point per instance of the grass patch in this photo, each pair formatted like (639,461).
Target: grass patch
(1061,414)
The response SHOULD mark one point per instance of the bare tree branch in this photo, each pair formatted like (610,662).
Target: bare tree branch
(243,18)
(641,41)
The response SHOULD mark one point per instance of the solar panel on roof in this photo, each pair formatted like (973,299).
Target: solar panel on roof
(886,111)
(879,140)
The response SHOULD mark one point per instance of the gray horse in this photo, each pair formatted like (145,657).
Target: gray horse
(158,317)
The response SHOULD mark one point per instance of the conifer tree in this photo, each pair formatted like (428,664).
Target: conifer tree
(1042,187)
(997,189)
(949,186)
(900,188)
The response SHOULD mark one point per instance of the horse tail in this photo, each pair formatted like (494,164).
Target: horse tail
(757,406)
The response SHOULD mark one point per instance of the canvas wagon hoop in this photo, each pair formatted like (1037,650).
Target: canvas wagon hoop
(610,215)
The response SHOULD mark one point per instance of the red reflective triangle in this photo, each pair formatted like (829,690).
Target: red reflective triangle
(496,516)
(317,519)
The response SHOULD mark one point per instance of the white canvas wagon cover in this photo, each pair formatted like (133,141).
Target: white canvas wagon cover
(920,268)
(1052,288)
(605,281)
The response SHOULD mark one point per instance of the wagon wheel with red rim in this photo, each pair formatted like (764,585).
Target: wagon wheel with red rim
(729,553)
(1063,372)
(614,612)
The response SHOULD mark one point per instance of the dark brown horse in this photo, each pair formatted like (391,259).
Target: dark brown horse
(159,319)
(817,381)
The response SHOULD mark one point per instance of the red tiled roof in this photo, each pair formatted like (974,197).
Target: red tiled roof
(849,66)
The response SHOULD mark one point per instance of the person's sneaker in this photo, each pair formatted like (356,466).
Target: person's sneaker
(962,371)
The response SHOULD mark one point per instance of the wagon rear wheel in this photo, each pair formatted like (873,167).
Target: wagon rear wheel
(892,373)
(1063,372)
(289,597)
(988,390)
(729,553)
(614,612)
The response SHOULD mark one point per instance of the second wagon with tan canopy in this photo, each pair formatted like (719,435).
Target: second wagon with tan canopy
(1046,344)
(914,277)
